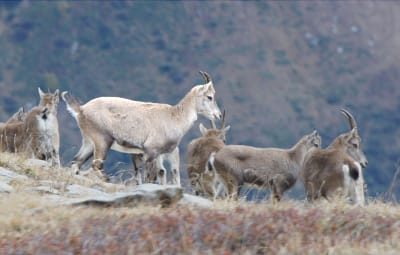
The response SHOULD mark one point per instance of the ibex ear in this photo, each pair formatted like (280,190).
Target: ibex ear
(20,110)
(354,132)
(20,113)
(56,97)
(203,130)
(41,93)
(227,128)
(204,88)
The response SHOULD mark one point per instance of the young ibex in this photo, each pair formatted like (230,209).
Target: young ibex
(35,132)
(19,116)
(137,127)
(17,134)
(156,172)
(336,170)
(273,168)
(199,151)
(47,143)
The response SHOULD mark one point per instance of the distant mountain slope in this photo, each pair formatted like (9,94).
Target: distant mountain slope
(280,68)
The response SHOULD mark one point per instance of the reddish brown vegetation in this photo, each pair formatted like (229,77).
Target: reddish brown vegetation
(254,229)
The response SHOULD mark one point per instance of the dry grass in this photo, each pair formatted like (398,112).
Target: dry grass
(29,224)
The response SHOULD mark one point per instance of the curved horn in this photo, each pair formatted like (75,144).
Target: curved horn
(206,76)
(350,117)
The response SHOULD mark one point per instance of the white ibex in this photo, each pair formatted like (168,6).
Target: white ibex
(273,168)
(336,170)
(137,127)
(199,151)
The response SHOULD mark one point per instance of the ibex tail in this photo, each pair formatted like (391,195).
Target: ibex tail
(73,105)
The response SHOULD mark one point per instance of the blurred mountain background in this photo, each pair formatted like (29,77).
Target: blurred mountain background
(280,68)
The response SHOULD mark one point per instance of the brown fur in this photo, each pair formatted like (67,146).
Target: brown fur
(46,144)
(36,132)
(322,172)
(198,152)
(17,135)
(273,168)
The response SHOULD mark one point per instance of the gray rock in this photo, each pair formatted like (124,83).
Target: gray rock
(5,188)
(195,200)
(44,190)
(76,190)
(147,194)
(7,175)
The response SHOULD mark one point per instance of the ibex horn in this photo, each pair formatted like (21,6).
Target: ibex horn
(206,76)
(223,120)
(350,117)
(213,124)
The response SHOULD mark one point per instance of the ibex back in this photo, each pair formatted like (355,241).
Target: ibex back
(273,168)
(137,127)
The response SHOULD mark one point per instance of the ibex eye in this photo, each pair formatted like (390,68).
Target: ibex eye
(209,98)
(355,145)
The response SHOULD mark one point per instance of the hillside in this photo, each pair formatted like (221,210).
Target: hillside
(280,68)
(38,216)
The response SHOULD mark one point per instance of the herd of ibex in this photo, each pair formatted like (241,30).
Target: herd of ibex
(151,133)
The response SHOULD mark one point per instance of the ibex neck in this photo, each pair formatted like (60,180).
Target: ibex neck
(185,110)
(336,144)
(297,153)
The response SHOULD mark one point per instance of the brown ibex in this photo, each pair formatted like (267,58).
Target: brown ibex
(336,170)
(198,152)
(17,134)
(273,168)
(137,127)
(19,116)
(47,142)
(36,132)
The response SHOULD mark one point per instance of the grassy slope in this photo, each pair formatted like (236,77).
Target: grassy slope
(280,68)
(30,224)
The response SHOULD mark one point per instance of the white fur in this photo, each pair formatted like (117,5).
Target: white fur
(138,127)
(359,186)
(353,189)
(72,112)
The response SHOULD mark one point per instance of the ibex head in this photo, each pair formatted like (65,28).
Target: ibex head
(49,100)
(313,140)
(219,133)
(352,141)
(20,115)
(205,99)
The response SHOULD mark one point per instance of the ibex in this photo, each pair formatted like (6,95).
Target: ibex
(336,170)
(198,152)
(17,135)
(19,116)
(273,168)
(137,127)
(47,142)
(156,172)
(35,132)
